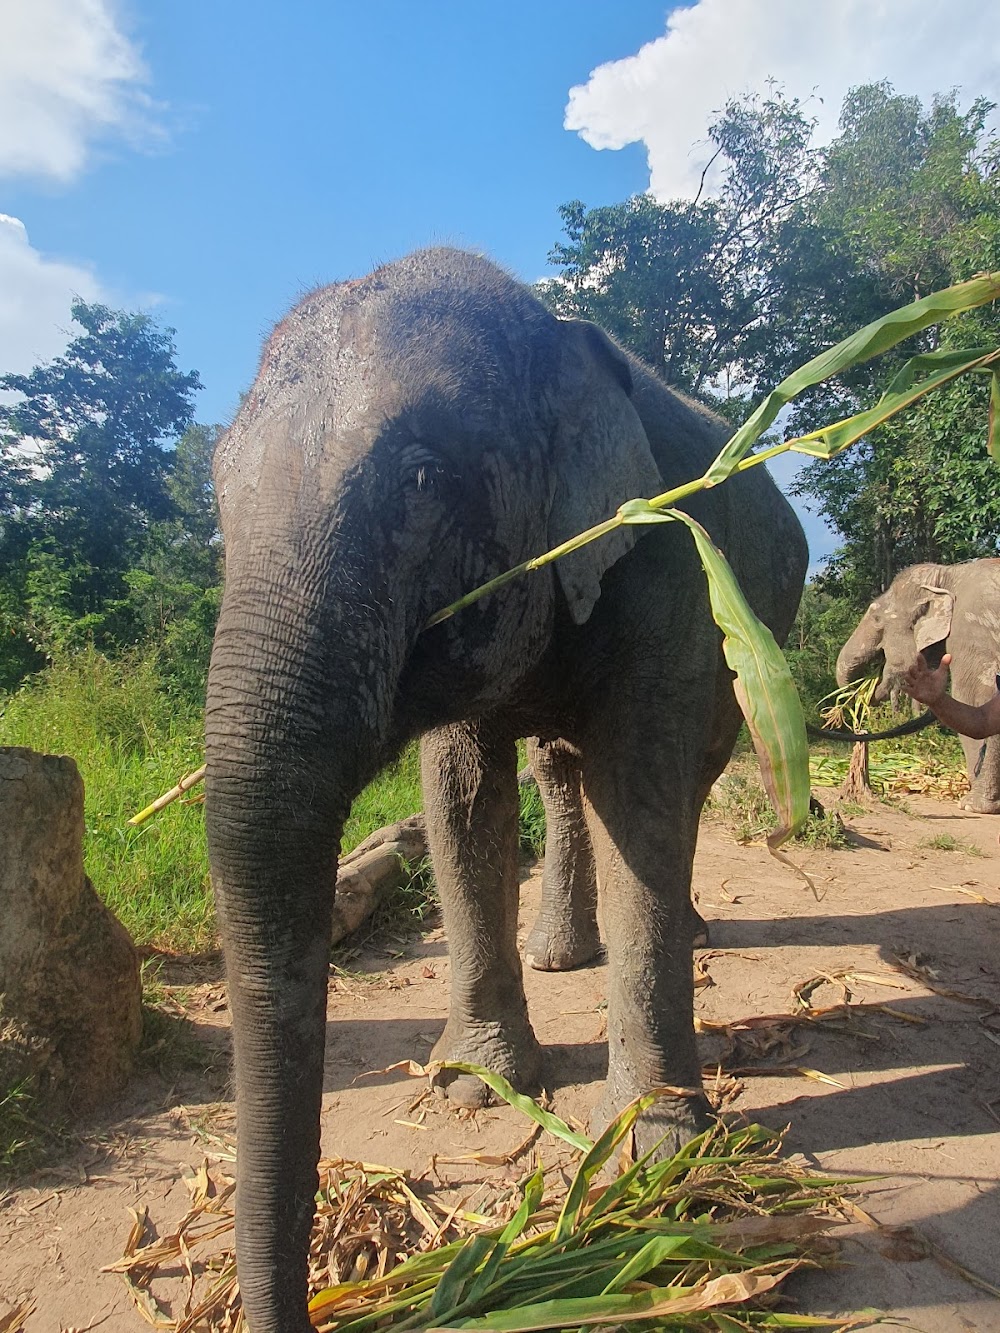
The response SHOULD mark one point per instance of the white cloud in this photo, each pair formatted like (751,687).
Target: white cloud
(664,96)
(68,75)
(35,296)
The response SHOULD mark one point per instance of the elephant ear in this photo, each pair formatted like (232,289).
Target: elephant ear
(934,622)
(601,458)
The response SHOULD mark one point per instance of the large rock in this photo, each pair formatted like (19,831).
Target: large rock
(70,997)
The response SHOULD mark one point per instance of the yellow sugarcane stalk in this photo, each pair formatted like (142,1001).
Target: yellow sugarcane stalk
(185,784)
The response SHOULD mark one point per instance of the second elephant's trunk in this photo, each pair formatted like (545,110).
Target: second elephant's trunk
(860,652)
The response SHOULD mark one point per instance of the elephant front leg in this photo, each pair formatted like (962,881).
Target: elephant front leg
(565,935)
(469,773)
(644,835)
(983,763)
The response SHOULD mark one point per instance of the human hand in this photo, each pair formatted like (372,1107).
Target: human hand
(925,685)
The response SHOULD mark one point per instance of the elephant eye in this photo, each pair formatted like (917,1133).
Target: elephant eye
(426,477)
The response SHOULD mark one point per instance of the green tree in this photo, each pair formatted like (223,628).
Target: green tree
(85,476)
(94,426)
(694,287)
(909,200)
(175,586)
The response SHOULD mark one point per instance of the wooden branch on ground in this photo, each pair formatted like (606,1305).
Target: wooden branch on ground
(377,866)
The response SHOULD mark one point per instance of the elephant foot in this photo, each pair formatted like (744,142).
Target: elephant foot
(664,1128)
(699,929)
(561,950)
(979,805)
(518,1059)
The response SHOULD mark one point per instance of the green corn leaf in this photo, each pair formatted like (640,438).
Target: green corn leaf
(585,1286)
(616,1192)
(457,1276)
(594,1159)
(763,687)
(641,511)
(656,1251)
(520,1102)
(993,442)
(871,341)
(533,1192)
(655,1302)
(903,392)
(944,358)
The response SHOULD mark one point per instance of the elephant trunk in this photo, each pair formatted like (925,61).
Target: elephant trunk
(858,653)
(288,743)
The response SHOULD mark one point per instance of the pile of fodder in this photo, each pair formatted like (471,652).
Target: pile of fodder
(702,1240)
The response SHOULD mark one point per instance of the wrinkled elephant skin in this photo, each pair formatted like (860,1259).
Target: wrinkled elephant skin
(934,609)
(409,436)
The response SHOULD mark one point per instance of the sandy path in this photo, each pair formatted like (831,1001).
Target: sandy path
(919,1101)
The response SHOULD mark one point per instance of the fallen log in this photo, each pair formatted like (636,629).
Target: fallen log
(369,873)
(375,868)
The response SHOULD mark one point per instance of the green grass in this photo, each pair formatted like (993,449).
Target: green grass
(945,842)
(740,801)
(393,795)
(25,1139)
(132,742)
(531,821)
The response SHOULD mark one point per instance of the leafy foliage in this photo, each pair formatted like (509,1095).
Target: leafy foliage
(912,197)
(797,248)
(108,532)
(692,287)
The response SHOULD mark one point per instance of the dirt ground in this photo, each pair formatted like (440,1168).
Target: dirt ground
(914,1096)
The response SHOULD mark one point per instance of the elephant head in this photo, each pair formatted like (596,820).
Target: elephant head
(408,437)
(912,616)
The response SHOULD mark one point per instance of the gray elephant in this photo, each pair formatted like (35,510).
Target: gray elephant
(409,436)
(933,609)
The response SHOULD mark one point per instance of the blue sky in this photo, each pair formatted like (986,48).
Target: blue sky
(310,141)
(210,160)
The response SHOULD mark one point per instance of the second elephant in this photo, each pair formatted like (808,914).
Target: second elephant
(933,609)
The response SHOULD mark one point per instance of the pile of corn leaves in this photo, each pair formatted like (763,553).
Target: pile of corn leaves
(896,775)
(701,1240)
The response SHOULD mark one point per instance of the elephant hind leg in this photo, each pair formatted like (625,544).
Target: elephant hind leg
(983,763)
(565,934)
(469,773)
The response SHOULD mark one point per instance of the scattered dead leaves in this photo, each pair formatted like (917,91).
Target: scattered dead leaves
(13,1320)
(368,1219)
(919,969)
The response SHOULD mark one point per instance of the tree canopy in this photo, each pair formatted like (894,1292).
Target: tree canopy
(724,296)
(103,478)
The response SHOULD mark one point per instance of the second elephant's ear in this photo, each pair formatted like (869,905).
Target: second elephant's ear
(600,458)
(934,623)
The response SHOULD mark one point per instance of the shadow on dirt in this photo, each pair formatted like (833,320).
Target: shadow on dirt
(922,930)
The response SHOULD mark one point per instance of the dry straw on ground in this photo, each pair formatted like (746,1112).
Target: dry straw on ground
(703,1240)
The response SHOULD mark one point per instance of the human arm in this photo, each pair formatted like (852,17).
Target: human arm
(929,687)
